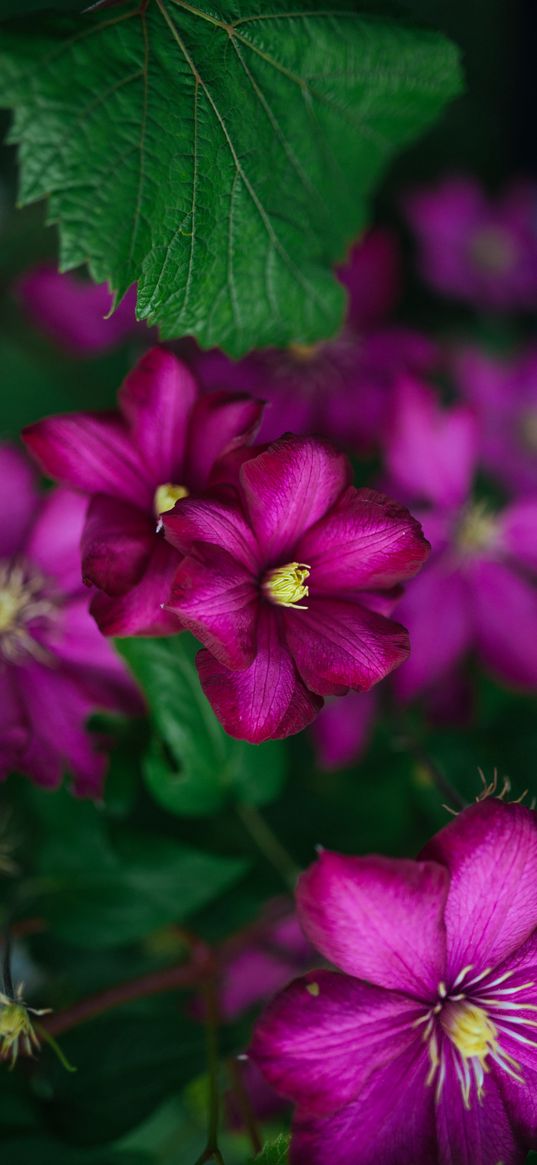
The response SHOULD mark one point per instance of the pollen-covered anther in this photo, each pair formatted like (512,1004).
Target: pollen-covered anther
(16,1029)
(166,495)
(470,1029)
(285,585)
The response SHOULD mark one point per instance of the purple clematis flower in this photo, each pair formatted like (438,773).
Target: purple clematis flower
(478,591)
(164,443)
(343,728)
(422,1050)
(55,667)
(339,388)
(504,397)
(479,251)
(287,586)
(74,312)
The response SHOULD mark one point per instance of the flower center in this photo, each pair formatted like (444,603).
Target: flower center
(470,1029)
(24,606)
(166,495)
(285,585)
(305,352)
(493,250)
(476,529)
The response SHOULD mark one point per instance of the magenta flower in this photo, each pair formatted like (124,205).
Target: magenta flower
(343,728)
(478,591)
(422,1049)
(504,397)
(339,388)
(474,249)
(163,444)
(73,312)
(284,587)
(55,667)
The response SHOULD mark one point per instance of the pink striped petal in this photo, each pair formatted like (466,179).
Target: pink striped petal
(216,598)
(339,645)
(156,399)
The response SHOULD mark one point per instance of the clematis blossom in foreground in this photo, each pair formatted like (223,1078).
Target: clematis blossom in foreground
(73,312)
(55,667)
(421,1049)
(477,250)
(164,443)
(503,395)
(288,586)
(478,591)
(339,388)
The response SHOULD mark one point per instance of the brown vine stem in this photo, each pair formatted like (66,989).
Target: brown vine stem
(212,1022)
(244,1105)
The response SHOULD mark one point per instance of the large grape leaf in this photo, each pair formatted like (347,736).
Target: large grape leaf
(219,155)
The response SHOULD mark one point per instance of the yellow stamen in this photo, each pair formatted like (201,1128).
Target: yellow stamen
(285,585)
(470,1029)
(166,495)
(493,250)
(477,528)
(304,352)
(10,605)
(313,989)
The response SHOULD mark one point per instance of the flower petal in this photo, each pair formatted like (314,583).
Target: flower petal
(220,523)
(54,541)
(20,498)
(479,1135)
(518,532)
(117,542)
(216,598)
(342,729)
(378,919)
(288,488)
(268,700)
(391,1123)
(431,452)
(139,611)
(156,399)
(92,660)
(92,452)
(366,541)
(505,618)
(488,916)
(320,1039)
(340,645)
(436,608)
(220,422)
(74,312)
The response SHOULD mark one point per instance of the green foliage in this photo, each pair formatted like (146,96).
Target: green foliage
(222,162)
(274,1153)
(50,1152)
(193,767)
(108,890)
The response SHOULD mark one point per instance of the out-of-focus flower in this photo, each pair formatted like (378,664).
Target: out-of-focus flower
(481,251)
(73,312)
(55,667)
(338,388)
(164,443)
(478,591)
(17,1033)
(342,729)
(286,587)
(504,397)
(422,1048)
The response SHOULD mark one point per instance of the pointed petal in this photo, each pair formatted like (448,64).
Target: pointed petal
(220,422)
(268,700)
(92,452)
(156,399)
(92,660)
(366,541)
(288,488)
(378,919)
(488,916)
(216,598)
(54,541)
(221,523)
(117,542)
(436,608)
(320,1039)
(505,617)
(74,312)
(340,645)
(139,610)
(20,498)
(518,532)
(391,1122)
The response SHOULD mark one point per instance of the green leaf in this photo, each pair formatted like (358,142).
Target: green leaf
(193,767)
(99,893)
(220,157)
(275,1152)
(49,1152)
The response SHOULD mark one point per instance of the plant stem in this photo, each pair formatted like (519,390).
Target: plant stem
(269,845)
(212,1151)
(246,1111)
(451,795)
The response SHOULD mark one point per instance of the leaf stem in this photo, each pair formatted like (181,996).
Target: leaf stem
(212,1151)
(268,844)
(245,1107)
